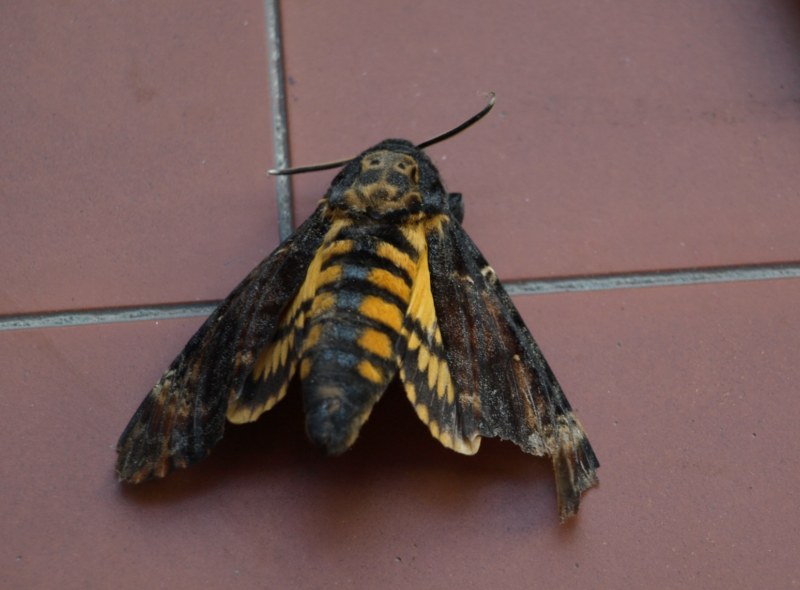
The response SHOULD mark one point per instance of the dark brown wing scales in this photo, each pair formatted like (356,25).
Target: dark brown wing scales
(491,355)
(183,416)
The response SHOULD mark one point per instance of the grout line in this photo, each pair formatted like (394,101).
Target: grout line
(674,278)
(670,278)
(280,133)
(286,226)
(106,316)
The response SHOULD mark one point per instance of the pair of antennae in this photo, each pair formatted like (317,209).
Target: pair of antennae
(446,135)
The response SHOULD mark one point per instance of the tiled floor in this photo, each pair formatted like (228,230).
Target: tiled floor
(628,137)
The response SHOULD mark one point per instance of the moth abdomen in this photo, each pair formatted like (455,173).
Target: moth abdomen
(350,350)
(335,413)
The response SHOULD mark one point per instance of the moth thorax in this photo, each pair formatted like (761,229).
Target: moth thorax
(388,181)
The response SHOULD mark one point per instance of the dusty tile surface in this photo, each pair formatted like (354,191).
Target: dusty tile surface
(135,148)
(686,393)
(627,135)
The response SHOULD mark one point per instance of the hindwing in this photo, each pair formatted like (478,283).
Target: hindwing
(425,369)
(268,381)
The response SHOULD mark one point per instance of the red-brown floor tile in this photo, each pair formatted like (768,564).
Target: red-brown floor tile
(136,139)
(626,136)
(688,395)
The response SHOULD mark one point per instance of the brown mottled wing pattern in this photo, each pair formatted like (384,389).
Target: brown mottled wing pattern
(503,386)
(183,416)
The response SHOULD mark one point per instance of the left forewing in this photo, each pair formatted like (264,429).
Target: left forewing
(183,416)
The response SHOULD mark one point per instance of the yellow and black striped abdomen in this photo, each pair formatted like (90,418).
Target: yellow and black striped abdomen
(353,329)
(343,332)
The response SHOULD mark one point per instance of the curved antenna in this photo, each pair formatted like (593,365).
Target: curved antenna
(311,168)
(446,135)
(456,130)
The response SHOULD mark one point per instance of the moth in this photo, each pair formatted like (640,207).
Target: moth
(381,280)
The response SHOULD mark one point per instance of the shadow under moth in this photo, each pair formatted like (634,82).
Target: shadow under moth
(381,280)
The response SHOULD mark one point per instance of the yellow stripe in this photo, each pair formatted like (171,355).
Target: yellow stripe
(241,414)
(274,358)
(411,393)
(314,274)
(386,280)
(416,234)
(398,258)
(312,338)
(387,313)
(335,248)
(413,341)
(329,275)
(370,372)
(305,368)
(376,342)
(271,359)
(422,359)
(443,386)
(434,428)
(284,350)
(260,367)
(421,307)
(322,302)
(433,371)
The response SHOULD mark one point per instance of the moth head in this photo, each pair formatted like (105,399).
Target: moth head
(391,179)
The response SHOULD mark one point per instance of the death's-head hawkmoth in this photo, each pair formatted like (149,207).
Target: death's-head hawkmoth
(381,280)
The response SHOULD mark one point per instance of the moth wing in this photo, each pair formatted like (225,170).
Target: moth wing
(427,371)
(183,416)
(503,386)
